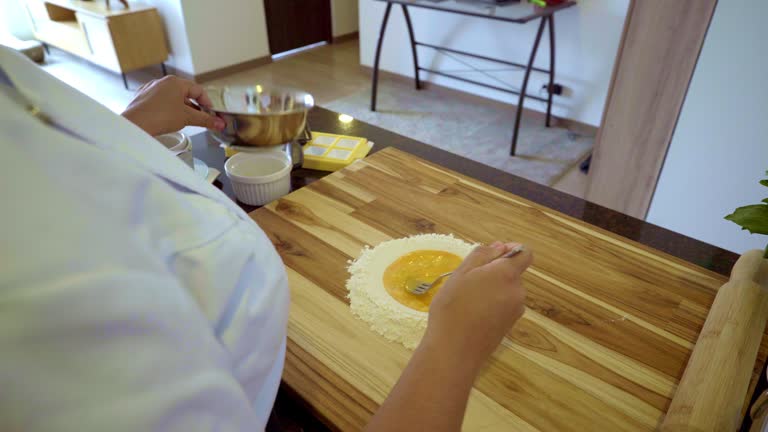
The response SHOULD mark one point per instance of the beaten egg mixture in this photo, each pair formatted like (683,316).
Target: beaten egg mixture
(421,265)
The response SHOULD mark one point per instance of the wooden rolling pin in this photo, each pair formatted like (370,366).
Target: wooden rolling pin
(759,413)
(710,397)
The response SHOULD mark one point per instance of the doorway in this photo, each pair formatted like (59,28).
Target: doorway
(293,24)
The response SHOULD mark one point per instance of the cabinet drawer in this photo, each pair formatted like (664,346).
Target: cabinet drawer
(100,44)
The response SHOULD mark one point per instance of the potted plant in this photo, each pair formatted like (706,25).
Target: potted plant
(753,218)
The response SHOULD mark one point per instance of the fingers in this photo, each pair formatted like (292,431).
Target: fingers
(145,86)
(199,118)
(197,92)
(191,90)
(482,255)
(514,266)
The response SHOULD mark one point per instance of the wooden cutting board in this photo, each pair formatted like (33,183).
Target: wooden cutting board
(609,327)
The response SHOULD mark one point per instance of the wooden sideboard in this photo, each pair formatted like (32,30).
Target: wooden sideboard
(117,38)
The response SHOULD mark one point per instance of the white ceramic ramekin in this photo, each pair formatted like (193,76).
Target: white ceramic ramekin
(259,178)
(180,145)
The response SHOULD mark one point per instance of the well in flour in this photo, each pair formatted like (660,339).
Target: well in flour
(370,284)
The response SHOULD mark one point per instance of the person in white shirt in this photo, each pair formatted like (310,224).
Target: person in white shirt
(134,296)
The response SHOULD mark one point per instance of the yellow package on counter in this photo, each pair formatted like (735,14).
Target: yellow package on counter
(331,152)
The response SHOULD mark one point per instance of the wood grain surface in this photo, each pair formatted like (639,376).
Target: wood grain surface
(99,8)
(608,331)
(710,395)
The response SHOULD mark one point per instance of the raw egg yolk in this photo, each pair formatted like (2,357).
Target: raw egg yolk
(422,265)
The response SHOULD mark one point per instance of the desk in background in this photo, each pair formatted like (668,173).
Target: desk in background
(515,13)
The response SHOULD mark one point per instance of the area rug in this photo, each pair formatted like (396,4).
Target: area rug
(475,129)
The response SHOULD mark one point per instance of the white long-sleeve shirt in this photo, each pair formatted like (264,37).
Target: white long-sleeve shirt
(133,295)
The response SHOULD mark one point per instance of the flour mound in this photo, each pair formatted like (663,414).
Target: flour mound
(369,299)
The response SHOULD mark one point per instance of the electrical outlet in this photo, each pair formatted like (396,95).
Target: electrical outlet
(557,89)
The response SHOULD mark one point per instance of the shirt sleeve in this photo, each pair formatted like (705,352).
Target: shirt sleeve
(113,350)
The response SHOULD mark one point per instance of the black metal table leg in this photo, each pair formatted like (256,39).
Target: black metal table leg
(525,85)
(125,81)
(551,67)
(162,67)
(413,46)
(375,85)
(584,166)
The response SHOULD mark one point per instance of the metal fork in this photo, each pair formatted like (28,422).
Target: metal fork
(420,287)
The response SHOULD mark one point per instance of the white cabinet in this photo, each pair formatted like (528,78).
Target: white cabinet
(117,38)
(101,47)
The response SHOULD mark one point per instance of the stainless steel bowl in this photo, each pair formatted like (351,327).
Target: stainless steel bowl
(260,116)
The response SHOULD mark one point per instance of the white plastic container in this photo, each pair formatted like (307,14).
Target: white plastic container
(180,145)
(259,178)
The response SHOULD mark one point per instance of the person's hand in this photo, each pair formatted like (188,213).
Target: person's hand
(468,318)
(480,302)
(165,105)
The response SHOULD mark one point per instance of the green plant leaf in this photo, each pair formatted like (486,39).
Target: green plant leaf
(753,218)
(764,182)
(765,200)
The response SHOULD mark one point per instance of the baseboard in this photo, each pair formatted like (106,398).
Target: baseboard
(229,70)
(571,125)
(577,126)
(179,73)
(346,37)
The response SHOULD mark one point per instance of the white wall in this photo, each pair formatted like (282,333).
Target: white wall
(13,18)
(222,34)
(210,35)
(175,29)
(344,17)
(720,147)
(587,38)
